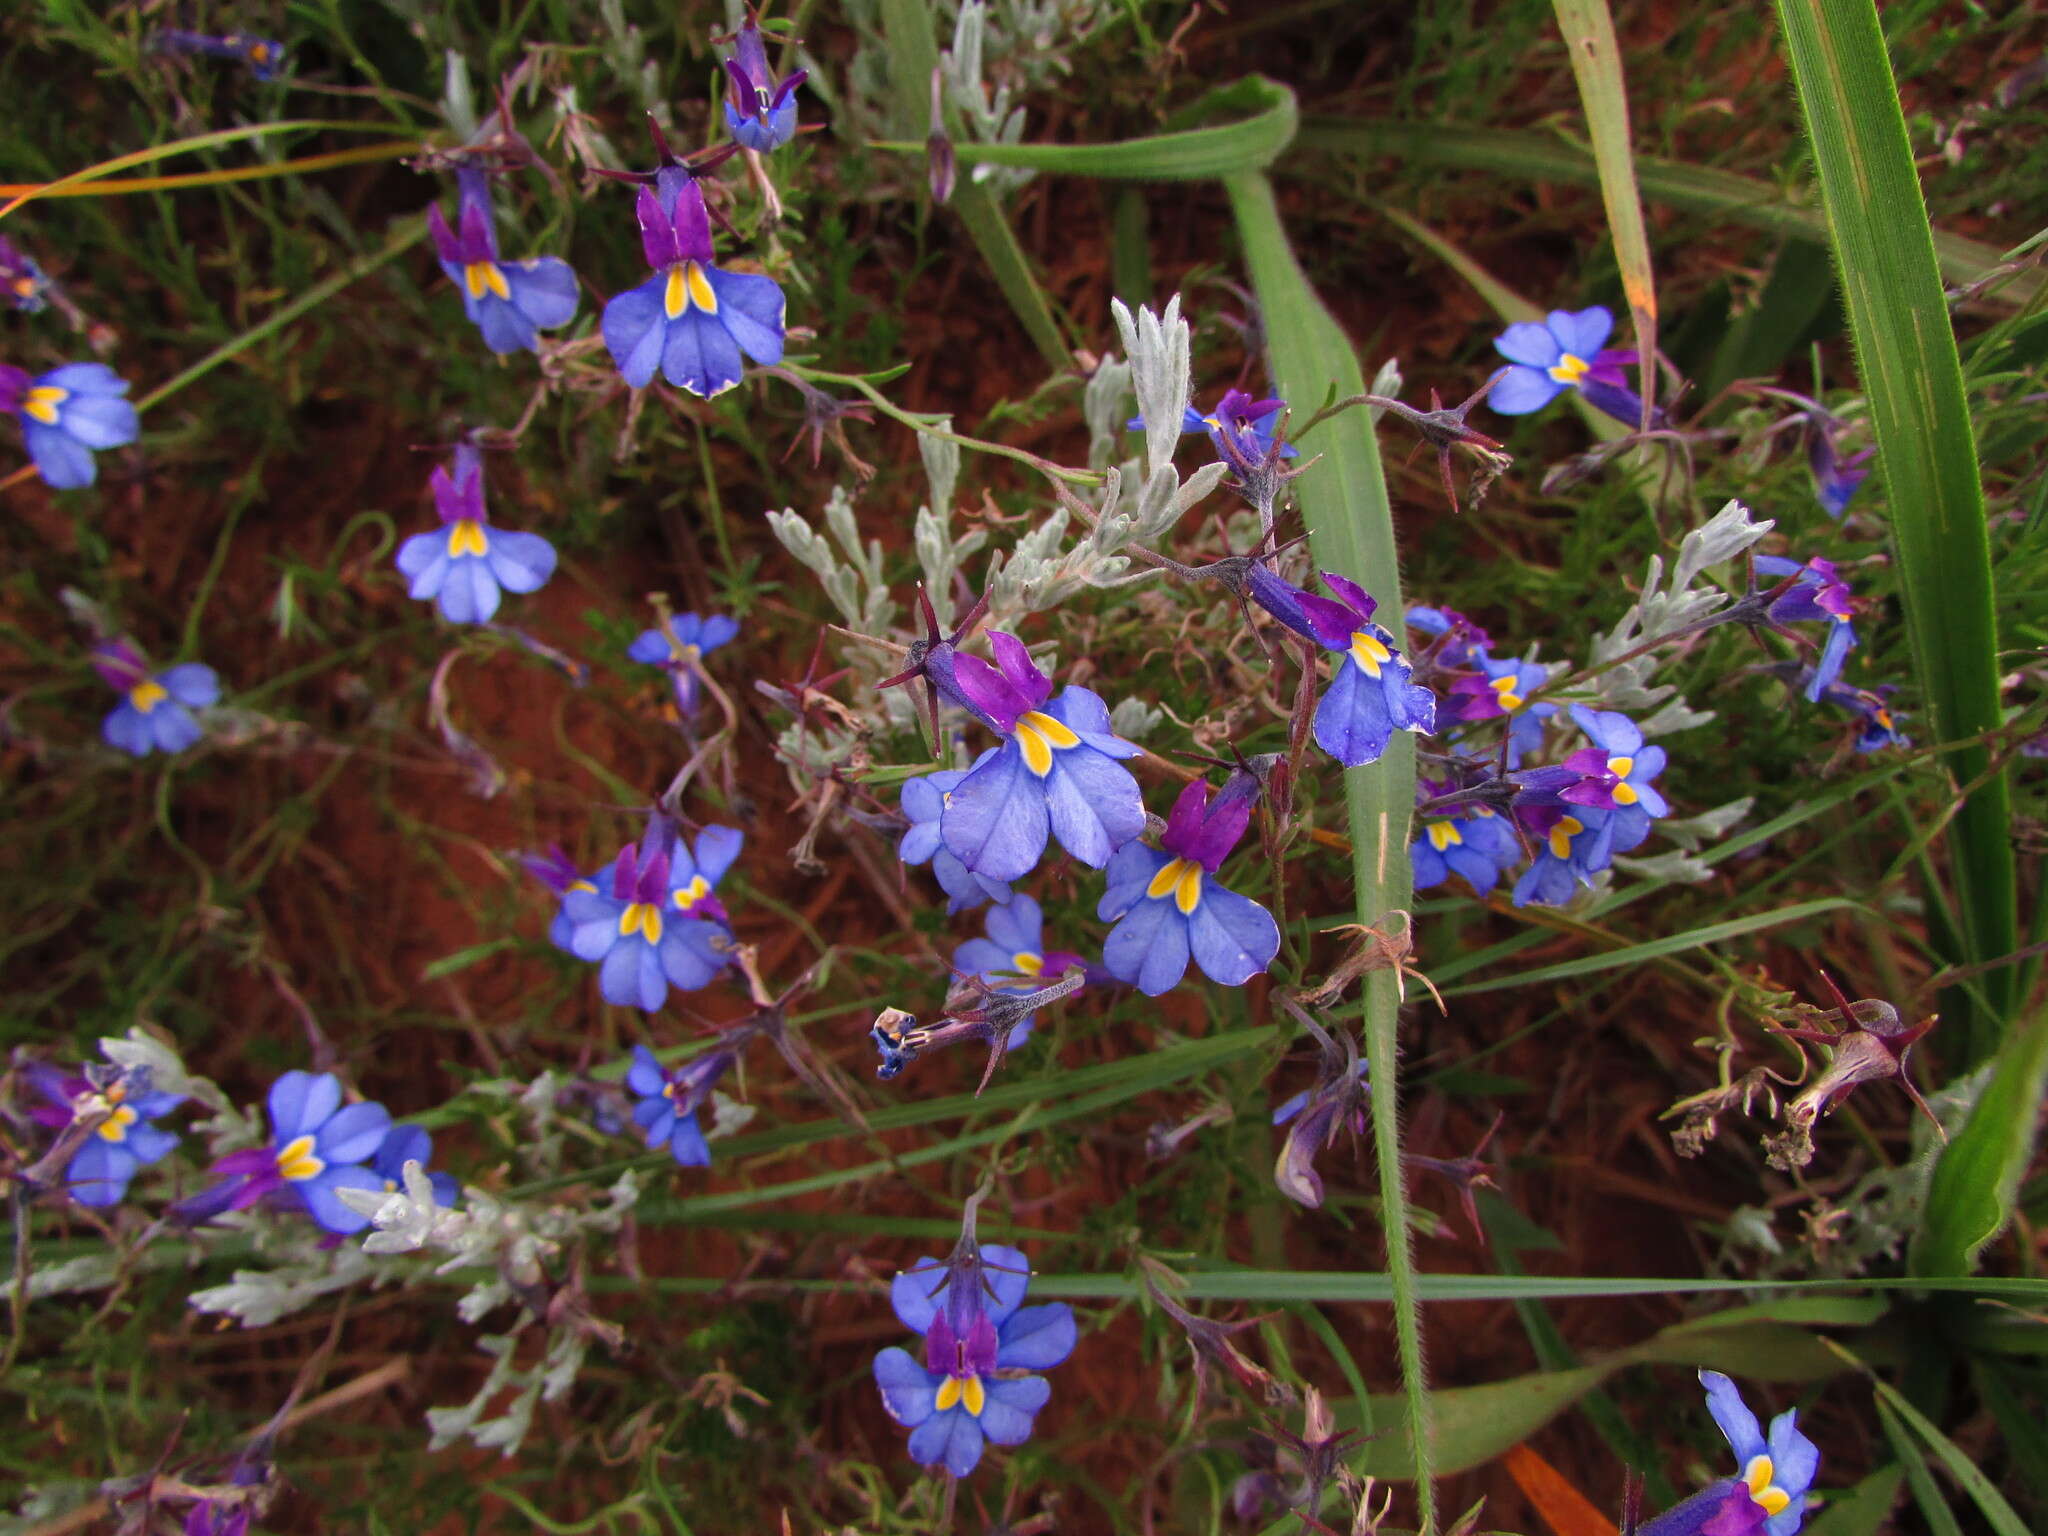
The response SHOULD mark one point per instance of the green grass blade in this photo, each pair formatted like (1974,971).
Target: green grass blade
(1865,1510)
(1344,501)
(1596,65)
(1250,144)
(1527,155)
(1913,376)
(1999,1515)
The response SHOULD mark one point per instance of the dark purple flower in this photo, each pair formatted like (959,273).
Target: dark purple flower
(1817,595)
(264,56)
(1056,772)
(691,320)
(1877,721)
(1720,1509)
(509,301)
(557,871)
(762,111)
(1167,909)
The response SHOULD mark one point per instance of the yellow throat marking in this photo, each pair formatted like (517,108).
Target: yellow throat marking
(1039,734)
(1569,369)
(297,1161)
(1621,768)
(147,694)
(42,403)
(466,536)
(115,1126)
(1027,964)
(482,277)
(1562,834)
(968,1393)
(1444,834)
(1368,653)
(1182,877)
(691,894)
(1758,1475)
(1504,690)
(687,286)
(643,918)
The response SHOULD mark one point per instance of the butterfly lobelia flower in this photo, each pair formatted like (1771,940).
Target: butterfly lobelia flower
(1337,1102)
(1566,350)
(1474,841)
(1371,695)
(410,1144)
(1057,772)
(1168,909)
(980,1346)
(509,301)
(691,320)
(668,1100)
(155,712)
(264,56)
(22,279)
(1837,477)
(1777,1468)
(1240,428)
(679,647)
(558,872)
(652,920)
(66,416)
(317,1146)
(1877,723)
(100,1171)
(1617,770)
(1575,843)
(924,801)
(762,110)
(1816,594)
(466,565)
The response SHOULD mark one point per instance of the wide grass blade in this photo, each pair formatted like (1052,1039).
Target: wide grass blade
(1596,66)
(1350,522)
(1529,155)
(1913,376)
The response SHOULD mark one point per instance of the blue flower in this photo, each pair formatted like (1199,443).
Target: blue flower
(978,1339)
(924,804)
(409,1144)
(99,1172)
(692,320)
(67,415)
(156,713)
(1836,478)
(1777,1470)
(316,1147)
(1013,958)
(1618,769)
(1565,351)
(509,301)
(264,56)
(1371,696)
(1057,770)
(1817,595)
(22,278)
(681,648)
(1576,845)
(1877,722)
(658,924)
(1239,427)
(1336,1102)
(464,564)
(1476,842)
(762,112)
(669,1101)
(1168,909)
(557,871)
(1720,1509)
(1499,688)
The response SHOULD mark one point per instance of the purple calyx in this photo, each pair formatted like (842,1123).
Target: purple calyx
(553,869)
(998,695)
(15,384)
(1202,833)
(634,881)
(119,665)
(674,226)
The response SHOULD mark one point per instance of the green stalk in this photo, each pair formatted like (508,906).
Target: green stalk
(1351,531)
(1906,349)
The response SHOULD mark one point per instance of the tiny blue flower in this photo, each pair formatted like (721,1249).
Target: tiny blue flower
(22,279)
(1877,721)
(66,416)
(1476,842)
(1836,477)
(691,320)
(1777,1470)
(924,803)
(1499,688)
(1240,428)
(99,1172)
(1565,351)
(680,648)
(762,111)
(155,714)
(264,56)
(1818,595)
(652,919)
(668,1101)
(979,1343)
(509,301)
(316,1148)
(464,564)
(1167,908)
(1618,769)
(1013,958)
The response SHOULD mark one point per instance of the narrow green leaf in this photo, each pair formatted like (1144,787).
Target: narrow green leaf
(1596,65)
(463,959)
(1933,1507)
(1999,1514)
(1865,1510)
(1343,499)
(1534,156)
(1913,376)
